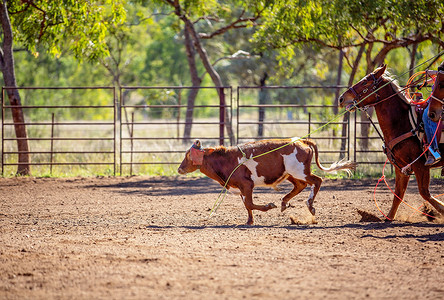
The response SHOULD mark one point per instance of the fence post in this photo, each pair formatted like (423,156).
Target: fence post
(178,114)
(52,146)
(309,124)
(237,115)
(121,104)
(3,131)
(221,116)
(132,143)
(115,111)
(348,135)
(355,138)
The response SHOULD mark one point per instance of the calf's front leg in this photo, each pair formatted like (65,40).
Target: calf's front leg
(247,198)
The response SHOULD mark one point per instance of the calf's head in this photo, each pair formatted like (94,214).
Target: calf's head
(193,159)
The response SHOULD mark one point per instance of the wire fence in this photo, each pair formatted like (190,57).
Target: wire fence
(81,131)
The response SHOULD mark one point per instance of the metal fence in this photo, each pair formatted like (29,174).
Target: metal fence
(142,129)
(60,131)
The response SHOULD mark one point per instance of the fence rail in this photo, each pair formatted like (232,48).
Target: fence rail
(145,127)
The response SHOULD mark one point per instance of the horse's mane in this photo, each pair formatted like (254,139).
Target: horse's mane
(395,85)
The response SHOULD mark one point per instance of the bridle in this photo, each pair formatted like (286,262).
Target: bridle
(361,96)
(440,101)
(437,99)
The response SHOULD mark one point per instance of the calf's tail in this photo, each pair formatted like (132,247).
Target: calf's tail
(345,165)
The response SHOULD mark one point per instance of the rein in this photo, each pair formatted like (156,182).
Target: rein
(364,108)
(387,147)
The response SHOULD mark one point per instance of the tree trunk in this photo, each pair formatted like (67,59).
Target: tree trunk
(371,65)
(338,81)
(263,99)
(365,128)
(413,59)
(209,68)
(351,79)
(196,82)
(7,68)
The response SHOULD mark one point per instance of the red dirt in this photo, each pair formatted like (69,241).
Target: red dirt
(151,238)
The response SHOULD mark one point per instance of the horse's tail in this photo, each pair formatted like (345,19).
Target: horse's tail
(346,165)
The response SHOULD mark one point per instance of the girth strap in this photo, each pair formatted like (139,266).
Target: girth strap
(399,139)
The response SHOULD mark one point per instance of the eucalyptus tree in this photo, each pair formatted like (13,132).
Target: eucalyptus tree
(364,29)
(79,24)
(204,20)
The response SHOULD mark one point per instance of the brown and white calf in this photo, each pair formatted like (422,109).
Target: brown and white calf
(291,162)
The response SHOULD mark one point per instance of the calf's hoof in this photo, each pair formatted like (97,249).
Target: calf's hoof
(312,210)
(278,189)
(283,206)
(270,206)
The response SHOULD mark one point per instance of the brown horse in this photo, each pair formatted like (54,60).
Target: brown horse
(402,145)
(437,99)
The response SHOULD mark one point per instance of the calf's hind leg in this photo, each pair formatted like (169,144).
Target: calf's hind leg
(299,185)
(315,182)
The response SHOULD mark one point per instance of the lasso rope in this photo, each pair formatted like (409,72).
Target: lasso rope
(402,200)
(222,195)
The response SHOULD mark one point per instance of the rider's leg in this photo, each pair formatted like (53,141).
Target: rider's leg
(430,129)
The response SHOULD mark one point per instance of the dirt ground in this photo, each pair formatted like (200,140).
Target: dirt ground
(152,238)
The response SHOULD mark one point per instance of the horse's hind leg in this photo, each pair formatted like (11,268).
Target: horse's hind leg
(401,182)
(423,179)
(298,186)
(315,182)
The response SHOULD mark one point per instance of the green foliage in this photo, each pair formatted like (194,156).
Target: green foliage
(343,23)
(165,58)
(79,24)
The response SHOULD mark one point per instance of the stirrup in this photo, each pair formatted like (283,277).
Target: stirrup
(435,154)
(433,158)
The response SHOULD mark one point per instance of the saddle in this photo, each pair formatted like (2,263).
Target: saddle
(415,117)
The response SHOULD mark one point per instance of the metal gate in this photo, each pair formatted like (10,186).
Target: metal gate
(60,132)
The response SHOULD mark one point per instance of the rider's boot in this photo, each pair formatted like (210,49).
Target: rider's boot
(433,157)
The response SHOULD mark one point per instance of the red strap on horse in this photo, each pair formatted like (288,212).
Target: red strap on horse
(399,139)
(440,129)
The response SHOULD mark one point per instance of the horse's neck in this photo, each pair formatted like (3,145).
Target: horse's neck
(393,117)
